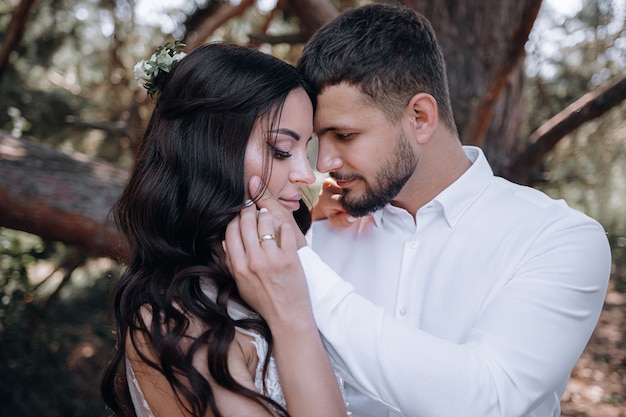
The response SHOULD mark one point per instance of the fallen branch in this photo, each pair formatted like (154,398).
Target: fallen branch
(59,196)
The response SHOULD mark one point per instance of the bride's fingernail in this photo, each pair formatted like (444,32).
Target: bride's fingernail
(248,203)
(351,219)
(263,210)
(224,246)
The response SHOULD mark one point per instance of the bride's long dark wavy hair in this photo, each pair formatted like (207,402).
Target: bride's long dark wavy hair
(186,184)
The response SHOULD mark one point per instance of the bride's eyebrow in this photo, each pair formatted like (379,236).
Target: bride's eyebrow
(287,132)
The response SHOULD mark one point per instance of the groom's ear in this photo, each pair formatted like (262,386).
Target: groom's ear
(423,116)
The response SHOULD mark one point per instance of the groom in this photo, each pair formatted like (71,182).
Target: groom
(460,293)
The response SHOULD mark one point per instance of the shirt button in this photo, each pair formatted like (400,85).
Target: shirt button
(413,244)
(402,312)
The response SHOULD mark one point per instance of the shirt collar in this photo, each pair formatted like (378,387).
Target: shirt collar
(461,194)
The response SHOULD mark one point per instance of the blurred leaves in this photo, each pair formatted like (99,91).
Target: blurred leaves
(51,354)
(588,167)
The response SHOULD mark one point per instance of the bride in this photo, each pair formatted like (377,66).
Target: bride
(188,344)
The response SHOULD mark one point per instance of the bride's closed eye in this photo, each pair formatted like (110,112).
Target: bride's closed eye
(278,153)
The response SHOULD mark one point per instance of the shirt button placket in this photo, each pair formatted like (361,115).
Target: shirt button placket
(403,297)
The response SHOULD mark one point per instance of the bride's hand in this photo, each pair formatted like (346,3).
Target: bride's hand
(270,278)
(280,214)
(266,266)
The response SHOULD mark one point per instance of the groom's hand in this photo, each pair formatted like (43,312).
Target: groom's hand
(328,206)
(279,213)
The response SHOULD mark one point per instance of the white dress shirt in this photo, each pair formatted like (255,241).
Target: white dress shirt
(479,307)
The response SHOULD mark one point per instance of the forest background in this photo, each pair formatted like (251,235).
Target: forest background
(540,86)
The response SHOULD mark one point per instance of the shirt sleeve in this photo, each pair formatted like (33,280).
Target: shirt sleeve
(523,345)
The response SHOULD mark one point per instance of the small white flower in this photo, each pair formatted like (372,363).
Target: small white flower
(179,55)
(164,60)
(142,72)
(139,70)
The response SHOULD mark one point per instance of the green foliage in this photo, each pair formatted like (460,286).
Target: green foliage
(587,49)
(584,51)
(71,76)
(19,250)
(51,354)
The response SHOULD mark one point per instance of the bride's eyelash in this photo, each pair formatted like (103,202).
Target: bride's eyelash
(278,153)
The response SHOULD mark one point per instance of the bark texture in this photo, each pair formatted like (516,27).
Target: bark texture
(483,44)
(59,196)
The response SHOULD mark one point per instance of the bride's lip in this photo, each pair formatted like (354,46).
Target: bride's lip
(292,203)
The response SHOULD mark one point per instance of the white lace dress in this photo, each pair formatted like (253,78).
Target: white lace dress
(272,385)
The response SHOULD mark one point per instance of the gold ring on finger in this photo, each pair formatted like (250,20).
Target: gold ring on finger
(266,237)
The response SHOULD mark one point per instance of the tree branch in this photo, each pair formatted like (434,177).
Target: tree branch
(223,13)
(291,38)
(120,128)
(70,262)
(14,33)
(544,139)
(313,14)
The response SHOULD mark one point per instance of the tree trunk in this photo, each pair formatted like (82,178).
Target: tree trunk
(58,196)
(483,44)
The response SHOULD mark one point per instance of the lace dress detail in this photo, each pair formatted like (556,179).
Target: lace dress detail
(272,385)
(236,311)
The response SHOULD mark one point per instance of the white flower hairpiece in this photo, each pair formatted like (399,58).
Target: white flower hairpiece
(151,74)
